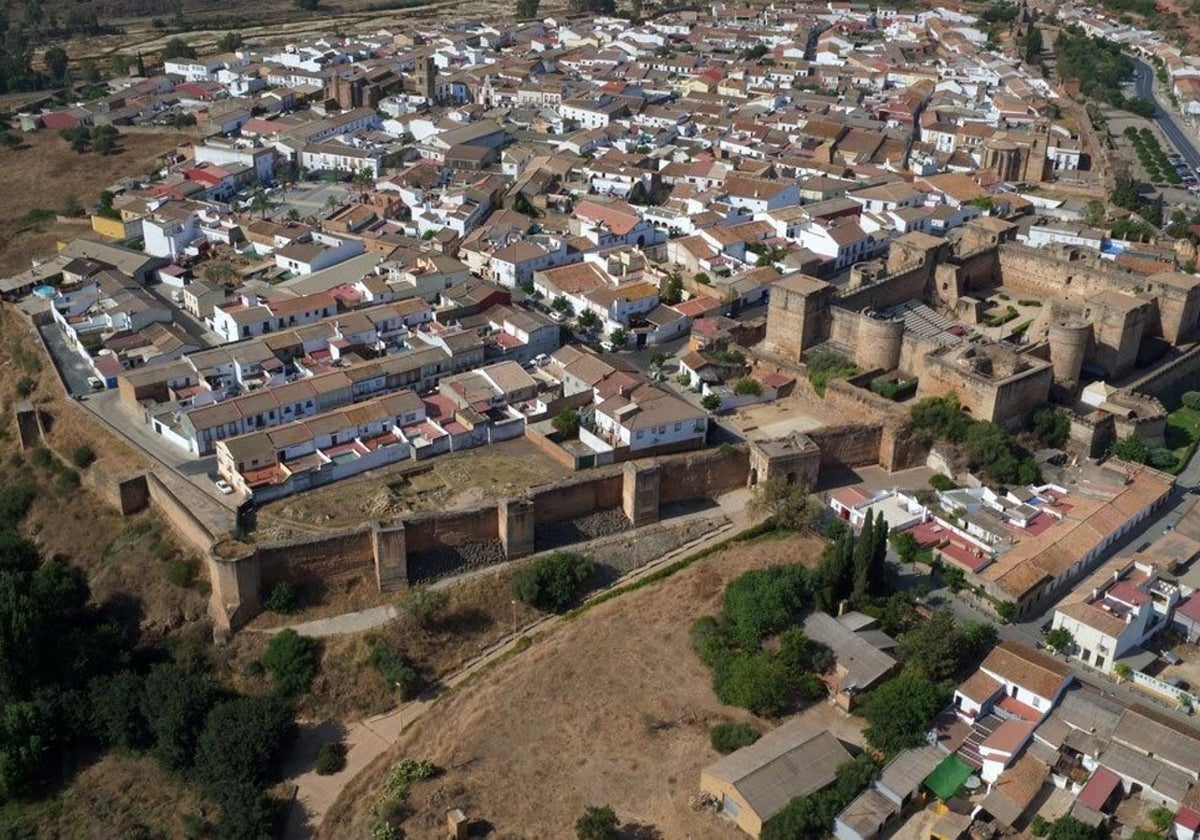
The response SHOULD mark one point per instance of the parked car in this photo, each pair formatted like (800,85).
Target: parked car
(95,383)
(541,360)
(223,486)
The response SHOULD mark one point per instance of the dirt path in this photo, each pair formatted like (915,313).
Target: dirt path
(367,740)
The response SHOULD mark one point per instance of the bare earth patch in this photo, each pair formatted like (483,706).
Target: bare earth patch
(613,707)
(45,173)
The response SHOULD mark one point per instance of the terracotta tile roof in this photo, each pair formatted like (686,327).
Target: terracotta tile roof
(979,687)
(1033,670)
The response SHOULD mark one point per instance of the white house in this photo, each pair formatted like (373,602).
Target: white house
(1119,607)
(323,251)
(650,418)
(1020,682)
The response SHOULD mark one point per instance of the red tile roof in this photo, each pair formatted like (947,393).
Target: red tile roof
(1098,789)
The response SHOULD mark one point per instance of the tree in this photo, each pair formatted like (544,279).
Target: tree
(174,704)
(291,660)
(710,402)
(1031,46)
(790,505)
(1060,640)
(1191,399)
(862,560)
(618,338)
(176,48)
(424,605)
(260,202)
(755,681)
(282,598)
(24,747)
(673,290)
(104,139)
(243,740)
(762,602)
(566,423)
(1130,448)
(1070,828)
(587,319)
(80,139)
(57,62)
(899,712)
(954,578)
(527,9)
(1051,426)
(552,583)
(116,717)
(728,737)
(933,649)
(229,42)
(1122,670)
(1162,817)
(905,545)
(599,822)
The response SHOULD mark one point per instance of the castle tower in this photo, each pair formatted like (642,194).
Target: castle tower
(878,342)
(1069,341)
(798,315)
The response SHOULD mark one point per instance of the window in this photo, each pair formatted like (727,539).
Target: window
(639,434)
(678,426)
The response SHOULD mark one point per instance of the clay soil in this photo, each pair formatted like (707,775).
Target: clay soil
(45,173)
(613,707)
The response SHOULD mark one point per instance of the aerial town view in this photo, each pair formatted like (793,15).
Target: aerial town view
(599,420)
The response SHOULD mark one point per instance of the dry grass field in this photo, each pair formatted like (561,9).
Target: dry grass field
(613,707)
(45,174)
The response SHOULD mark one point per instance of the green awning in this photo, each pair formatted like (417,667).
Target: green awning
(947,777)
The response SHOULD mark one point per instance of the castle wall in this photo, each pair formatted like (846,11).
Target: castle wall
(890,291)
(1169,381)
(848,445)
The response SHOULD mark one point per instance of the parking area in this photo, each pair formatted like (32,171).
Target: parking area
(308,200)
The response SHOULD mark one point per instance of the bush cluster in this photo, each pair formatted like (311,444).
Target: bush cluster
(553,583)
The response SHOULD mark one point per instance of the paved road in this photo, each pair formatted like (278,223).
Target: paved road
(1181,139)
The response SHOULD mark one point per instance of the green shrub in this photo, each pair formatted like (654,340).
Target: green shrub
(1161,458)
(748,387)
(66,481)
(941,482)
(396,668)
(15,501)
(553,583)
(282,598)
(728,737)
(825,366)
(183,573)
(83,456)
(1029,302)
(1040,826)
(1191,399)
(43,457)
(331,758)
(291,660)
(26,386)
(893,389)
(1010,313)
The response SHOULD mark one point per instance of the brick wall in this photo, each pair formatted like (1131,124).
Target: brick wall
(848,445)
